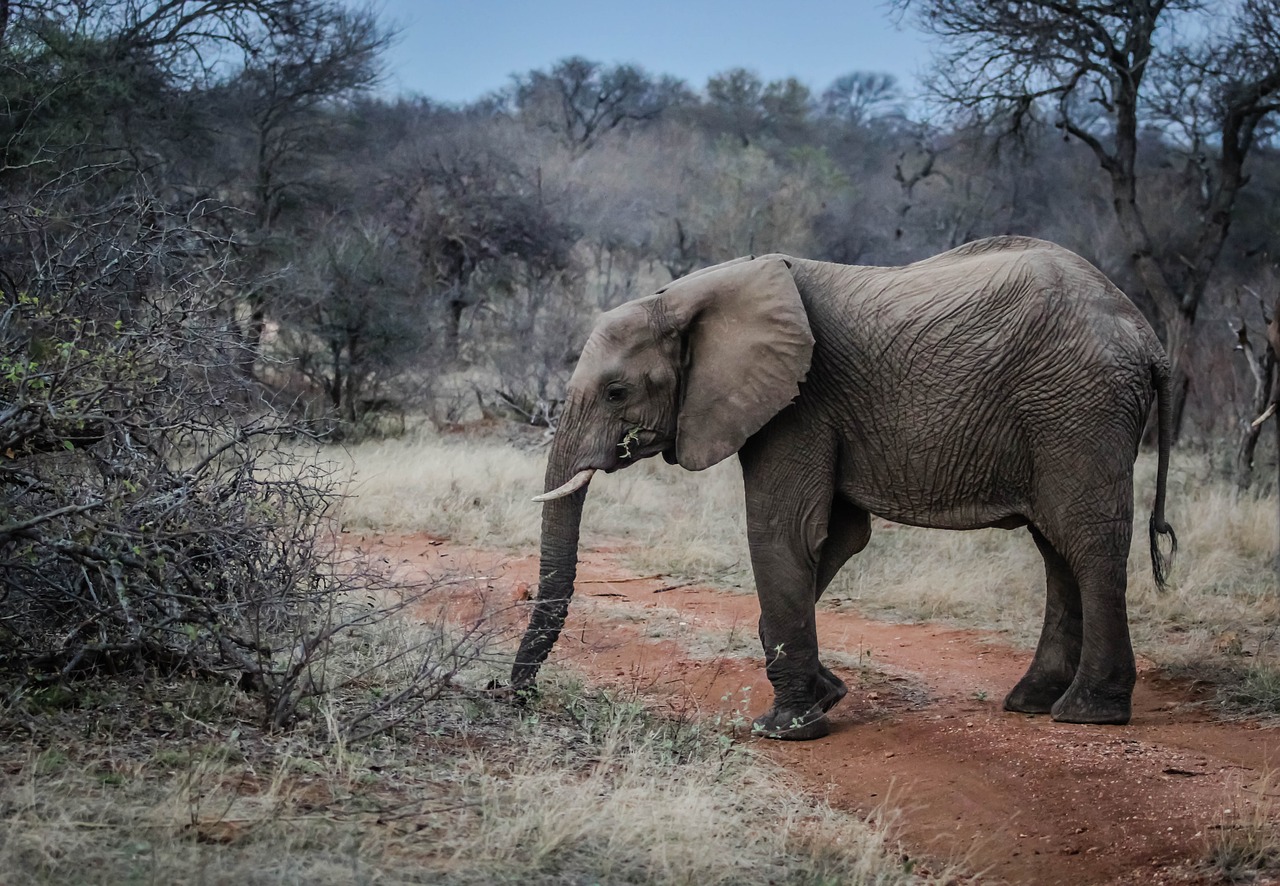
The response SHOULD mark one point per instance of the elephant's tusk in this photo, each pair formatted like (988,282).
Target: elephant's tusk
(580,479)
(1257,422)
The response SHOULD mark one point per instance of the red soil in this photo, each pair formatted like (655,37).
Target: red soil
(1015,798)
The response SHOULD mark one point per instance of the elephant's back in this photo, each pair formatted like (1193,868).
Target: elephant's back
(1002,297)
(974,366)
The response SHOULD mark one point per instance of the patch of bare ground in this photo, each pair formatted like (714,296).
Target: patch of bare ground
(1020,799)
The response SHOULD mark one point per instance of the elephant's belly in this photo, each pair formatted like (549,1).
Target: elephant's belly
(939,509)
(979,483)
(952,520)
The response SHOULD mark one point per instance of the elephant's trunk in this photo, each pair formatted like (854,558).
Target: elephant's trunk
(561,519)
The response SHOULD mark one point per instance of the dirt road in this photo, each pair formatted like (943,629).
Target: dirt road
(1020,798)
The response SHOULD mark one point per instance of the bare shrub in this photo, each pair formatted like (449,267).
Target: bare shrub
(353,324)
(158,516)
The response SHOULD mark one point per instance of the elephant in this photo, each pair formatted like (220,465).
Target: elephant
(1005,383)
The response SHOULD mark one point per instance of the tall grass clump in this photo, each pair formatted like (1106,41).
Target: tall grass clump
(1244,845)
(1219,618)
(656,801)
(592,788)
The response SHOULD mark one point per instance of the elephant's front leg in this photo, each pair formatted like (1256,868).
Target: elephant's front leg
(789,636)
(788,507)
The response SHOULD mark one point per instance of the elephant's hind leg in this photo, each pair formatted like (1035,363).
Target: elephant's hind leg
(848,531)
(1102,689)
(1058,652)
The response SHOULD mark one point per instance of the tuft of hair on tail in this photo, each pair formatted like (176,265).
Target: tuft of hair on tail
(1158,526)
(1160,563)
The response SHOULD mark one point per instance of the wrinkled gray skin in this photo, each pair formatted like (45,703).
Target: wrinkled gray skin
(1005,383)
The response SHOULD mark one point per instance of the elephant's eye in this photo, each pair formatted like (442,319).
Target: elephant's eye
(615,393)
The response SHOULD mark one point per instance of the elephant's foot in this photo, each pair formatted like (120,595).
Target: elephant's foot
(1035,694)
(792,725)
(1097,705)
(512,693)
(831,688)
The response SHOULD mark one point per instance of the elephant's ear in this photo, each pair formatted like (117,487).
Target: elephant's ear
(747,347)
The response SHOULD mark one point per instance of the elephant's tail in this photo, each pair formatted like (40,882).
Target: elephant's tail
(1158,525)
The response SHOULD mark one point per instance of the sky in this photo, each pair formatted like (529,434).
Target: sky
(459,50)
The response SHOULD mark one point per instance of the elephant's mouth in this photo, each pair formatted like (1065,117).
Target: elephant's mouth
(639,443)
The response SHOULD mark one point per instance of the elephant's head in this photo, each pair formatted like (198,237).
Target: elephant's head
(691,372)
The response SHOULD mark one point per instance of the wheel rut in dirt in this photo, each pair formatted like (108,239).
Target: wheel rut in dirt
(1015,798)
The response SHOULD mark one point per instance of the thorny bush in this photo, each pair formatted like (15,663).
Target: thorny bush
(156,515)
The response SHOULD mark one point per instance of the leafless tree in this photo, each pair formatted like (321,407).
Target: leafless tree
(352,321)
(739,103)
(1260,357)
(1099,72)
(279,113)
(857,97)
(474,216)
(581,100)
(286,86)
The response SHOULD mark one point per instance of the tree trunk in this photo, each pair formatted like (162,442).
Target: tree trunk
(1275,423)
(1177,314)
(335,383)
(351,392)
(453,327)
(1263,394)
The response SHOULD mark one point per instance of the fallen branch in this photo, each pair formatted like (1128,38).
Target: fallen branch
(611,581)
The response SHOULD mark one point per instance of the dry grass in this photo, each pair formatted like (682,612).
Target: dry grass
(478,491)
(123,804)
(174,790)
(1218,621)
(152,822)
(1245,844)
(656,802)
(473,490)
